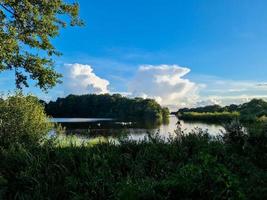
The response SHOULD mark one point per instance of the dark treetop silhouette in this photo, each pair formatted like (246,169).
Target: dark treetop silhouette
(105,105)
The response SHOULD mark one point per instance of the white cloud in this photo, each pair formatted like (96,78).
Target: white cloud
(80,79)
(166,84)
(225,92)
(209,101)
(227,100)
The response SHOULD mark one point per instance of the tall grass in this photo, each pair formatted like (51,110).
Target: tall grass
(209,116)
(193,166)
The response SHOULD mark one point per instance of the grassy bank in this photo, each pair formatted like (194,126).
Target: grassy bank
(189,166)
(250,112)
(209,116)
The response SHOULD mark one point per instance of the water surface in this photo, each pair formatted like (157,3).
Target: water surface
(111,128)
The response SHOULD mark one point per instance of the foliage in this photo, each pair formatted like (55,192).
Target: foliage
(22,120)
(193,166)
(252,111)
(210,108)
(113,106)
(27,26)
(210,116)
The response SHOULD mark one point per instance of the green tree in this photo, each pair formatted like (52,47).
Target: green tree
(26,30)
(22,120)
(105,105)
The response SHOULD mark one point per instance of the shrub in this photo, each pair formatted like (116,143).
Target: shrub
(22,120)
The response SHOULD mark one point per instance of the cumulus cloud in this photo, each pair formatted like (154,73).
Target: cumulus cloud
(166,84)
(81,79)
(209,101)
(227,100)
(225,92)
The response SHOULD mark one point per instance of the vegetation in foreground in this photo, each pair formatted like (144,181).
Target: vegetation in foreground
(255,110)
(193,166)
(105,105)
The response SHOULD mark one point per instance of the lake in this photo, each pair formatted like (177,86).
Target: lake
(88,128)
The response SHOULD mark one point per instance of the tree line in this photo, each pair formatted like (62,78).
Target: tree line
(254,110)
(105,105)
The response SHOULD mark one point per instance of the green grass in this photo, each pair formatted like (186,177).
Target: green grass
(73,140)
(193,166)
(262,118)
(209,116)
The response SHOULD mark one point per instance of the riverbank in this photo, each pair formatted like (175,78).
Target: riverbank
(250,112)
(194,166)
(209,117)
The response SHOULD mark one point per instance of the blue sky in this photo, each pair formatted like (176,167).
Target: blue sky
(222,42)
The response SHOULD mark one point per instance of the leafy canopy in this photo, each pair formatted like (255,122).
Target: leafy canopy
(26,30)
(22,120)
(105,105)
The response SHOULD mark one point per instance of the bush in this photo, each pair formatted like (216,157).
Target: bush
(22,120)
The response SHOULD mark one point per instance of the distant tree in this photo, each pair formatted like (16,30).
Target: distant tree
(256,109)
(105,105)
(26,30)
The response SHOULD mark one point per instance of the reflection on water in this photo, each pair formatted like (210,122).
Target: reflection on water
(111,128)
(81,120)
